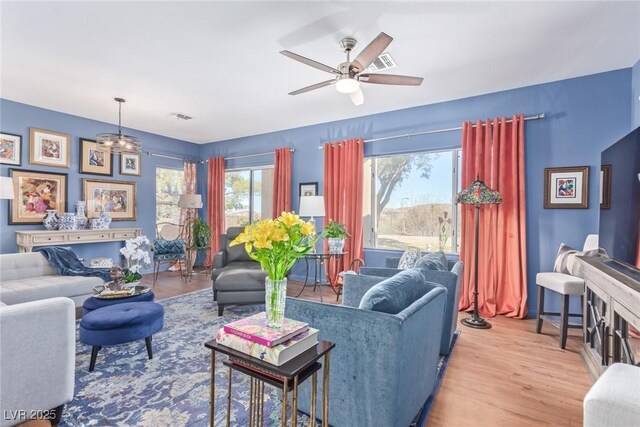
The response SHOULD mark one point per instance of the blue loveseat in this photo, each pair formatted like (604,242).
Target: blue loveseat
(449,279)
(383,368)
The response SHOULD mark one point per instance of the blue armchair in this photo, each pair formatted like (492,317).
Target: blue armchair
(449,279)
(383,368)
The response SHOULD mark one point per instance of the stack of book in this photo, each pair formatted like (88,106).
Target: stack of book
(252,336)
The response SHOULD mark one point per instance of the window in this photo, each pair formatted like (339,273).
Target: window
(409,200)
(248,195)
(168,189)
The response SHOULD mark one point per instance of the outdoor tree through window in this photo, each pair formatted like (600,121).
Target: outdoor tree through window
(248,196)
(168,189)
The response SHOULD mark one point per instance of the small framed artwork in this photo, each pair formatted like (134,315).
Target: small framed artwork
(48,148)
(10,148)
(130,164)
(95,160)
(35,193)
(566,188)
(605,187)
(117,198)
(308,189)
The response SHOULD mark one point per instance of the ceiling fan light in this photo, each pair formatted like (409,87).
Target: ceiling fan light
(347,85)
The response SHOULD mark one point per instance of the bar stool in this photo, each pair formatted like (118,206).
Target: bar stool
(567,286)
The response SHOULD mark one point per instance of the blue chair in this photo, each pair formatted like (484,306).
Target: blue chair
(168,247)
(384,365)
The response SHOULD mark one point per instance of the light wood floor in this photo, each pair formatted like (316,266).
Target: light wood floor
(504,376)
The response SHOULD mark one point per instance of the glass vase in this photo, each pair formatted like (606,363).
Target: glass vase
(275,294)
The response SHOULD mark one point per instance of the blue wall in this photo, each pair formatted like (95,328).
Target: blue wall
(584,116)
(635,95)
(17,118)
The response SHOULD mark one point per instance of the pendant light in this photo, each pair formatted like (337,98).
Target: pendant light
(117,142)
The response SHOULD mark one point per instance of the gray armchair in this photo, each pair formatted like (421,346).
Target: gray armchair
(237,279)
(451,280)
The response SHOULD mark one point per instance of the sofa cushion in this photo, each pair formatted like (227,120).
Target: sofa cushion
(237,253)
(396,293)
(241,280)
(433,261)
(24,265)
(37,288)
(238,265)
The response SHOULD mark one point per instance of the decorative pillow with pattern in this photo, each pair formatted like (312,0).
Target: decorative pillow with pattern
(564,258)
(169,247)
(409,258)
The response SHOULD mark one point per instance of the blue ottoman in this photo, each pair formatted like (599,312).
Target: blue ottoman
(92,303)
(119,324)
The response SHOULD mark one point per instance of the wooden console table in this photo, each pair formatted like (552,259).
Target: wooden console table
(27,240)
(611,318)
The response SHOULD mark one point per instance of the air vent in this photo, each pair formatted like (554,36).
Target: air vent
(382,62)
(181,116)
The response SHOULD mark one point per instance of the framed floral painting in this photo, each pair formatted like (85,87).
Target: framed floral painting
(48,148)
(566,188)
(35,193)
(130,164)
(117,198)
(10,148)
(95,160)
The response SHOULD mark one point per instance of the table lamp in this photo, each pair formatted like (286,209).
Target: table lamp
(477,194)
(6,188)
(312,206)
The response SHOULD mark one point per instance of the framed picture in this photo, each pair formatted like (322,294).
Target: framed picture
(10,146)
(118,198)
(95,160)
(566,188)
(35,193)
(308,189)
(605,187)
(48,148)
(130,164)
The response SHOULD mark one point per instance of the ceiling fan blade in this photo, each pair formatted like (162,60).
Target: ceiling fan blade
(371,52)
(390,79)
(313,87)
(357,97)
(310,62)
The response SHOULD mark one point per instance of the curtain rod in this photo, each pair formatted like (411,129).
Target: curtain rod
(409,135)
(164,156)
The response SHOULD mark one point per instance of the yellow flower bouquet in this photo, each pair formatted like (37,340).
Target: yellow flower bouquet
(276,244)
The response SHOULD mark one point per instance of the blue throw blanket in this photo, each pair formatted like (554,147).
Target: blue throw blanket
(65,262)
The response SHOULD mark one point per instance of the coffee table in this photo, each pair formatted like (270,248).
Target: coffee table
(286,377)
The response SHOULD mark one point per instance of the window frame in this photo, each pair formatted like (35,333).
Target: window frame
(178,169)
(250,169)
(456,153)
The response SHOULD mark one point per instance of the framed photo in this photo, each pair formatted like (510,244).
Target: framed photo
(308,189)
(118,198)
(605,187)
(130,164)
(35,193)
(566,188)
(10,149)
(95,160)
(48,148)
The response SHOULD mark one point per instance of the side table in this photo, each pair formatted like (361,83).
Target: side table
(286,377)
(319,260)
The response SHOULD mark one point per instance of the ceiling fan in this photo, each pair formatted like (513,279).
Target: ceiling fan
(349,74)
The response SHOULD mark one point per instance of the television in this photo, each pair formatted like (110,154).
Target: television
(620,204)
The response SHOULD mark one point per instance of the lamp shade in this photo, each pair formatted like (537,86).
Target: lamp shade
(6,188)
(312,206)
(190,201)
(478,194)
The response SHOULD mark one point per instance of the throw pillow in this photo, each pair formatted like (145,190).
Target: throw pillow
(564,259)
(395,293)
(169,247)
(409,258)
(433,261)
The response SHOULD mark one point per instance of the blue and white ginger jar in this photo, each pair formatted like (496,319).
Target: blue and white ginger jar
(68,221)
(51,220)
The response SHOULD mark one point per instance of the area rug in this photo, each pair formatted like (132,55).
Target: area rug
(172,389)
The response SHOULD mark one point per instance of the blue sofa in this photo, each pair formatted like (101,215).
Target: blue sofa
(449,279)
(383,368)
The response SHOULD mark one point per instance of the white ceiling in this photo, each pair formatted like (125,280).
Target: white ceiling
(219,61)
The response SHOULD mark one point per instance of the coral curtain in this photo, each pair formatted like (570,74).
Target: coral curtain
(189,186)
(494,151)
(343,189)
(282,182)
(215,204)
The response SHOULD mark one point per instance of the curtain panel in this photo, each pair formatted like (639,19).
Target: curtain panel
(282,182)
(494,151)
(215,204)
(343,192)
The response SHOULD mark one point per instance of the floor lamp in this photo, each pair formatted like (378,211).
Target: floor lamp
(190,202)
(477,194)
(312,206)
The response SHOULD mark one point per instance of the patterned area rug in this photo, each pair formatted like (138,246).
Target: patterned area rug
(172,389)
